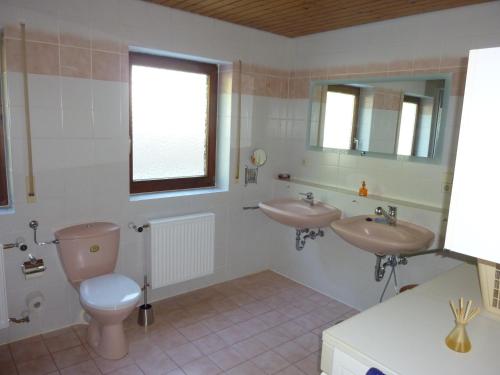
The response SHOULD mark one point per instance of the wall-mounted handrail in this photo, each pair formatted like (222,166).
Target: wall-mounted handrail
(30,179)
(238,127)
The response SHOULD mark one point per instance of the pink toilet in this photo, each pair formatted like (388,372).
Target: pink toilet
(88,254)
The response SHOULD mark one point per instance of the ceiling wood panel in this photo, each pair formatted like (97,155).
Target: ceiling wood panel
(294,18)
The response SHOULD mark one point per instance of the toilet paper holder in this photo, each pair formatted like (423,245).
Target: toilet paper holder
(33,267)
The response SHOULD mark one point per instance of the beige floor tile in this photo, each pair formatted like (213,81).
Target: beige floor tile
(292,352)
(70,357)
(64,341)
(270,362)
(8,368)
(109,365)
(210,344)
(246,368)
(218,322)
(291,370)
(274,318)
(155,363)
(84,368)
(39,366)
(254,325)
(169,340)
(227,358)
(28,349)
(237,315)
(310,365)
(195,331)
(234,334)
(202,366)
(250,348)
(309,342)
(129,370)
(184,354)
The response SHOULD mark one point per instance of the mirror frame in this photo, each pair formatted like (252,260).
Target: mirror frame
(438,154)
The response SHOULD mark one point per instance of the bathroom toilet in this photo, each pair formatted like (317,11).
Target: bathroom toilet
(88,253)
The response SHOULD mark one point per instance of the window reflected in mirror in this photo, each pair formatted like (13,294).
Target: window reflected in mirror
(393,117)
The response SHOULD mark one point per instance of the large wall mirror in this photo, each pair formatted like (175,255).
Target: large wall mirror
(393,116)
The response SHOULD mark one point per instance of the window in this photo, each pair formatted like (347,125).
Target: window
(341,116)
(408,124)
(173,116)
(4,193)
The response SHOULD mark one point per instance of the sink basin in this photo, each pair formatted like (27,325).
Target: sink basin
(299,214)
(382,239)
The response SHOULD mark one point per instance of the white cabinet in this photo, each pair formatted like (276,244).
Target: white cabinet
(336,361)
(344,364)
(406,334)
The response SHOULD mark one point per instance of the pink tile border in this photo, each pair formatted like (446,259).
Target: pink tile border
(68,54)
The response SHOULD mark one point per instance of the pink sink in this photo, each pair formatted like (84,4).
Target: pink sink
(383,239)
(299,214)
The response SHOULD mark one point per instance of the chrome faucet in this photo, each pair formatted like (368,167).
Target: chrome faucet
(390,216)
(309,198)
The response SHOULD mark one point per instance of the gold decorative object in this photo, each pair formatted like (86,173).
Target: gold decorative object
(458,340)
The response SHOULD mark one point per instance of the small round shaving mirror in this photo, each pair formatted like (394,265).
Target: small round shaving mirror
(258,157)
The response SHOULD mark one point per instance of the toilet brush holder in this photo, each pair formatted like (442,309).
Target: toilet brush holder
(145,317)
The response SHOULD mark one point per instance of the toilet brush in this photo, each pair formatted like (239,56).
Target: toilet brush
(146,316)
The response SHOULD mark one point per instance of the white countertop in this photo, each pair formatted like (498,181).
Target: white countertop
(406,333)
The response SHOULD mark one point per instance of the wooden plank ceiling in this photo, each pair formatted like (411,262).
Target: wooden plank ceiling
(294,18)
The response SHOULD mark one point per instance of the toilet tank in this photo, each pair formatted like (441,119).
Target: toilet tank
(88,250)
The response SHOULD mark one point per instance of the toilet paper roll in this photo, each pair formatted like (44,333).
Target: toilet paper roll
(35,301)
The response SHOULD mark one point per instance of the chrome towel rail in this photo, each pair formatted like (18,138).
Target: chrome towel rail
(20,244)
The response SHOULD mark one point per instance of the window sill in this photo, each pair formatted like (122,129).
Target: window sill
(7,211)
(175,194)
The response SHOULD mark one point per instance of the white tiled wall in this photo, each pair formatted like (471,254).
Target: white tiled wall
(330,264)
(434,35)
(81,147)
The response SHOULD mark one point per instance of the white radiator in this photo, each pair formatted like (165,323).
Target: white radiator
(182,248)
(4,315)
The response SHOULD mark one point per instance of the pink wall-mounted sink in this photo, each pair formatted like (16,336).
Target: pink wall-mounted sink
(300,214)
(367,233)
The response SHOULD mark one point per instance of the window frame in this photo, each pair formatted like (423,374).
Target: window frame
(172,63)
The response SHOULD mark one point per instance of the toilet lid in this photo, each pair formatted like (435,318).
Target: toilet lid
(109,292)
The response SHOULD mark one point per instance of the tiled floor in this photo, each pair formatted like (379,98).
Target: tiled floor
(259,324)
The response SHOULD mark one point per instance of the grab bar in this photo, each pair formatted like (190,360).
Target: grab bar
(20,244)
(138,228)
(33,224)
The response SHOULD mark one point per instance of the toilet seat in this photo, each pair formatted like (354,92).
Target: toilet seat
(109,292)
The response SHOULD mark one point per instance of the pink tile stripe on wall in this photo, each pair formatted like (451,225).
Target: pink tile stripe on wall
(71,55)
(66,55)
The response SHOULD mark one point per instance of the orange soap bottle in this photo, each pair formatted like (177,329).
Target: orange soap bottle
(363,191)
